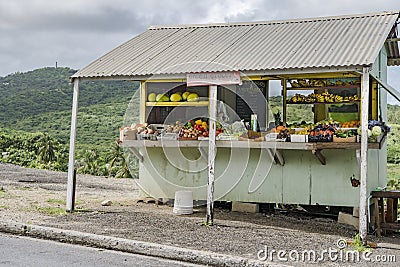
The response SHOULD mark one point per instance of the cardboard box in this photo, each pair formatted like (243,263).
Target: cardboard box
(127,133)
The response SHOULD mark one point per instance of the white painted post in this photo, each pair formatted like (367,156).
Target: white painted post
(363,226)
(72,140)
(211,154)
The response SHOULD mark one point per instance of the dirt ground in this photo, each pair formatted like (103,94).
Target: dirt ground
(38,197)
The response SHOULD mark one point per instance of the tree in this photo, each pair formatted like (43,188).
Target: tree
(46,148)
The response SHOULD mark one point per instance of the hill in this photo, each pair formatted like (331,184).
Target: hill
(41,100)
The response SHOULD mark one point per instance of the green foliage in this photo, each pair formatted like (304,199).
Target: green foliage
(33,150)
(295,113)
(393,173)
(40,102)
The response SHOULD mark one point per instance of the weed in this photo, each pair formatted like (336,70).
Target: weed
(358,244)
(57,201)
(52,211)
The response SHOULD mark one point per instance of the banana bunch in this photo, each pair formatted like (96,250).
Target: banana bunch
(321,98)
(297,98)
(351,98)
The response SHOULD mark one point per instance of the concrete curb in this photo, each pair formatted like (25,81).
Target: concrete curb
(131,246)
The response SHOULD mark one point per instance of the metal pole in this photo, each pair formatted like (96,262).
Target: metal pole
(363,227)
(211,154)
(71,168)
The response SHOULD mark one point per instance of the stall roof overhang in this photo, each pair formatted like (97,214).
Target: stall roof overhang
(330,43)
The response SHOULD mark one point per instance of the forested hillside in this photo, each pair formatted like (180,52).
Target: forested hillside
(41,100)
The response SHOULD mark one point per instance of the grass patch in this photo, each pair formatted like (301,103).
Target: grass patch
(52,211)
(25,188)
(393,176)
(56,201)
(3,207)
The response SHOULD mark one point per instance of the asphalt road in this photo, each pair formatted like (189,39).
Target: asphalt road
(22,251)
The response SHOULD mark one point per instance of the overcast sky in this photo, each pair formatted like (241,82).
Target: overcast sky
(37,33)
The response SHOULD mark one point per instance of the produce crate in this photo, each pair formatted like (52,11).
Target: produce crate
(351,139)
(152,137)
(168,136)
(127,134)
(298,138)
(312,138)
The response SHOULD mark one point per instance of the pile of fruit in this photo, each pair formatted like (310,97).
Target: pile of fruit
(322,133)
(175,97)
(198,128)
(321,83)
(375,129)
(321,98)
(345,134)
(174,128)
(350,124)
(194,129)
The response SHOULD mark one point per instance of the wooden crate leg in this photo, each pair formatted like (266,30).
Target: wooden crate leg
(389,205)
(376,217)
(381,213)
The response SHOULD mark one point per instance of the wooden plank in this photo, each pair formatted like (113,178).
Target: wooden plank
(377,217)
(363,227)
(142,98)
(71,184)
(247,144)
(177,104)
(211,154)
(386,194)
(390,216)
(390,226)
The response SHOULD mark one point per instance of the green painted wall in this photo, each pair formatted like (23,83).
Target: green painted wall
(249,175)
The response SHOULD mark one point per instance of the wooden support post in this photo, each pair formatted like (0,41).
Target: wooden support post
(279,157)
(211,154)
(284,95)
(320,157)
(271,155)
(363,155)
(136,153)
(71,184)
(377,217)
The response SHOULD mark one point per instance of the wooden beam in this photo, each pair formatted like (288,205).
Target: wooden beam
(279,157)
(211,154)
(363,228)
(320,157)
(271,154)
(136,153)
(72,140)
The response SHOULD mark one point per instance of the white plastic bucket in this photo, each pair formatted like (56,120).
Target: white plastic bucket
(183,203)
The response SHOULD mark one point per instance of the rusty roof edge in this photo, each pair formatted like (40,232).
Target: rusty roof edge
(232,24)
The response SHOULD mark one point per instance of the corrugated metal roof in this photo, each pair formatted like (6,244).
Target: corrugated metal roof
(340,41)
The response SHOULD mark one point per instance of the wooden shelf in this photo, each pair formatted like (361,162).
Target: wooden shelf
(328,103)
(352,86)
(249,144)
(177,104)
(272,147)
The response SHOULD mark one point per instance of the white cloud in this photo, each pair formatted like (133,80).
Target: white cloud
(36,33)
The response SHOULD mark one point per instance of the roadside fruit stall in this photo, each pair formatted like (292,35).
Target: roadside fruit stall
(204,122)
